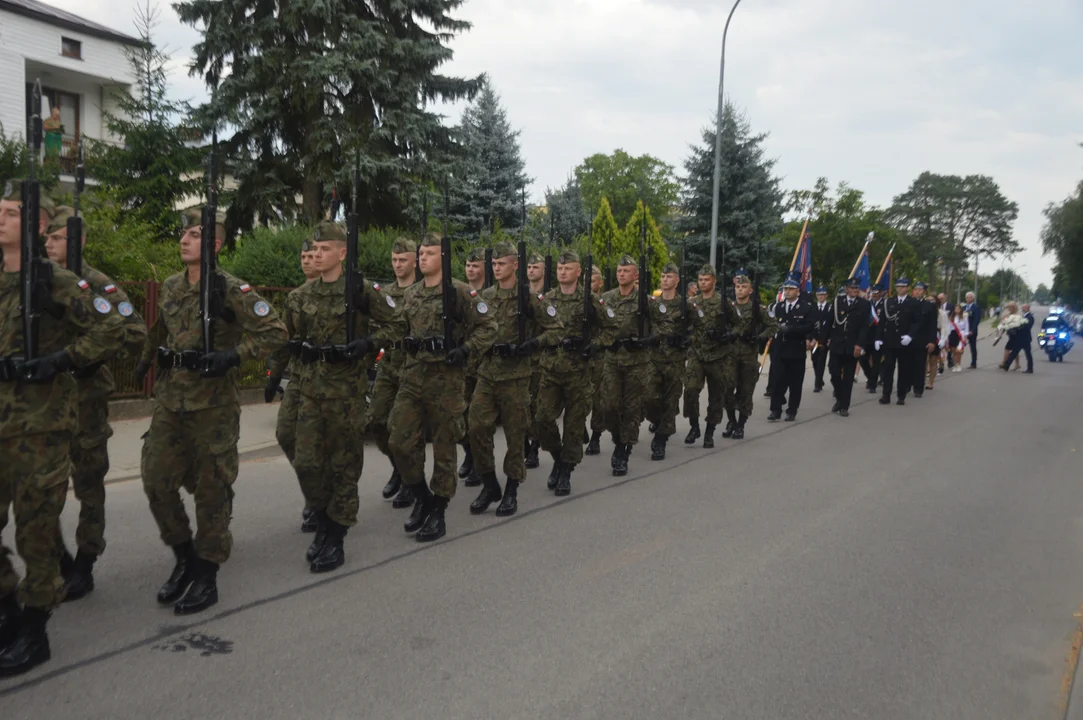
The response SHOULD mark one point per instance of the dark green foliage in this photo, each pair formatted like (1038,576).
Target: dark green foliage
(625,181)
(1062,236)
(15,162)
(129,249)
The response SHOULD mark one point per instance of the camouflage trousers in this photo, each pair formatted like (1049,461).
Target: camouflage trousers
(90,465)
(286,426)
(742,368)
(430,395)
(508,400)
(195,450)
(597,407)
(536,374)
(571,394)
(384,391)
(697,374)
(624,389)
(664,393)
(34,482)
(468,394)
(330,454)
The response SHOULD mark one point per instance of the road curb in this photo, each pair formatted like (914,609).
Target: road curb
(252,452)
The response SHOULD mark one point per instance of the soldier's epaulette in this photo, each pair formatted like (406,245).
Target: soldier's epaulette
(245,287)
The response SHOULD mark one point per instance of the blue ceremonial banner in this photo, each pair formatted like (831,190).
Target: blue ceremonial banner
(803,263)
(862,271)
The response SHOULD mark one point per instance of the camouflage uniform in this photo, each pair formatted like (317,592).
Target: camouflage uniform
(39,421)
(667,363)
(388,375)
(332,387)
(504,378)
(192,441)
(286,424)
(705,365)
(468,469)
(743,362)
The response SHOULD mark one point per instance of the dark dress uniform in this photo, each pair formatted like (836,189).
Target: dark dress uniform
(795,325)
(897,326)
(822,316)
(849,330)
(925,316)
(870,361)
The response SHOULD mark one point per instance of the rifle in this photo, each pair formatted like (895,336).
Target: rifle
(644,280)
(447,289)
(522,295)
(683,286)
(547,279)
(75,223)
(354,277)
(35,275)
(489,280)
(421,237)
(211,284)
(588,296)
(609,279)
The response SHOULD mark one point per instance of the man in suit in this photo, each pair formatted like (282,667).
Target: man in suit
(973,317)
(925,340)
(847,332)
(821,314)
(870,361)
(795,326)
(896,335)
(1024,341)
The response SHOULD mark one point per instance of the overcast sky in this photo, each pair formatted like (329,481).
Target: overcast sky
(863,91)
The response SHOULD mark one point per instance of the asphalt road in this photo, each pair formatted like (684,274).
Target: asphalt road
(907,562)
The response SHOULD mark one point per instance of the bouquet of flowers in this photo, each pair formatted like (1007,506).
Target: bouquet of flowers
(1009,325)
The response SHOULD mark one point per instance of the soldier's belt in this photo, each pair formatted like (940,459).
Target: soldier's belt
(9,369)
(675,341)
(438,343)
(572,344)
(295,347)
(630,344)
(179,360)
(502,350)
(323,353)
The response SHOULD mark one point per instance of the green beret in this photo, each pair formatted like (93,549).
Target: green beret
(404,245)
(476,255)
(503,249)
(568,256)
(671,269)
(306,246)
(595,270)
(431,239)
(626,260)
(329,231)
(59,220)
(707,269)
(13,192)
(535,259)
(193,217)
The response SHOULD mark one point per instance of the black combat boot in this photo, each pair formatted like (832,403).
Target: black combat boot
(404,498)
(708,436)
(321,536)
(586,436)
(555,473)
(10,619)
(422,508)
(594,447)
(468,462)
(67,562)
(564,481)
(204,590)
(731,424)
(620,465)
(30,646)
(80,581)
(332,555)
(309,523)
(658,447)
(489,494)
(181,577)
(739,431)
(693,433)
(510,504)
(531,461)
(614,459)
(434,527)
(473,479)
(393,483)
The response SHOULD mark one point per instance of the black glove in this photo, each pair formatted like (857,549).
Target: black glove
(783,329)
(528,347)
(651,341)
(456,357)
(359,348)
(45,368)
(141,370)
(271,388)
(216,364)
(588,350)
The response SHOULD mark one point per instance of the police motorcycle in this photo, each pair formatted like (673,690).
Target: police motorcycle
(1055,338)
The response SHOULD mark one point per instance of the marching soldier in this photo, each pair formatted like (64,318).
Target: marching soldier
(795,325)
(192,442)
(504,376)
(597,372)
(475,278)
(333,383)
(667,360)
(627,365)
(535,273)
(89,450)
(748,325)
(38,420)
(432,387)
(286,424)
(849,328)
(822,317)
(897,329)
(706,359)
(926,342)
(567,381)
(870,360)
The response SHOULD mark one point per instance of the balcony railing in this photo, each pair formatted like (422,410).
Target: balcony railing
(65,155)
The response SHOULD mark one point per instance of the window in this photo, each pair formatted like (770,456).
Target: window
(71,48)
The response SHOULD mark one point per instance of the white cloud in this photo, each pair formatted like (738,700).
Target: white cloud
(871,93)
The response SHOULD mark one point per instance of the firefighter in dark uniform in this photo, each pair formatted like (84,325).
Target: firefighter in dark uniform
(896,335)
(926,342)
(795,326)
(821,312)
(849,329)
(870,361)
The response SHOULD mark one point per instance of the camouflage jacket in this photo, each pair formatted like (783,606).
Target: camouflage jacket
(86,326)
(248,325)
(705,316)
(671,327)
(542,322)
(473,324)
(275,364)
(100,384)
(623,310)
(316,315)
(570,312)
(742,323)
(395,358)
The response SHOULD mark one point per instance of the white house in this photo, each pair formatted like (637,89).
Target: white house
(80,64)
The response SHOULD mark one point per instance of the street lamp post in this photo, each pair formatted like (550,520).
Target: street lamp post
(718,139)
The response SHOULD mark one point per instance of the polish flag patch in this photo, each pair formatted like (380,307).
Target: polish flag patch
(246,288)
(110,289)
(83,284)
